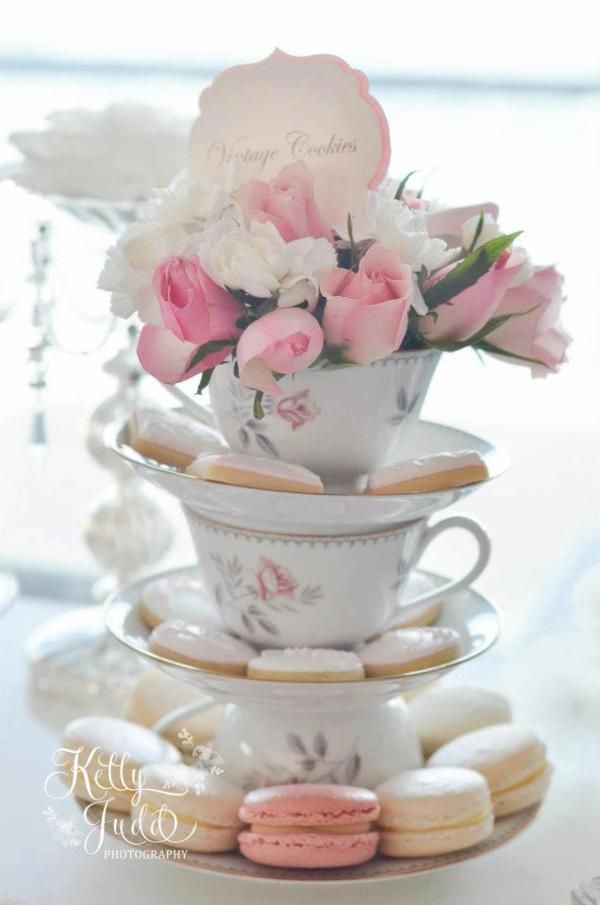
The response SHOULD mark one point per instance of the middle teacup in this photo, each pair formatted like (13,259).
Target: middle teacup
(285,590)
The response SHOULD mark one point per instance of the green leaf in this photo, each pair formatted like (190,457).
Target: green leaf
(353,253)
(402,186)
(209,348)
(204,380)
(257,408)
(496,350)
(471,269)
(477,233)
(476,339)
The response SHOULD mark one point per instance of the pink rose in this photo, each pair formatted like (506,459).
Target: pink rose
(412,200)
(467,312)
(367,312)
(167,358)
(193,307)
(274,580)
(287,202)
(195,311)
(297,409)
(450,221)
(284,341)
(538,334)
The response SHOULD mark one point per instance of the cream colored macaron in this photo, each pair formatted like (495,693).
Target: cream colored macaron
(511,758)
(106,754)
(408,650)
(155,694)
(184,807)
(443,471)
(432,812)
(255,471)
(198,646)
(306,664)
(442,714)
(176,597)
(170,437)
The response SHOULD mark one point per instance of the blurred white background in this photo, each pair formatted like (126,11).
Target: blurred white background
(496,101)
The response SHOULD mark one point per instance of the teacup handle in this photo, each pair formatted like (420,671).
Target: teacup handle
(483,555)
(199,410)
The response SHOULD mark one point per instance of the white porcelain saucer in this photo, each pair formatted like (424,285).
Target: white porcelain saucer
(234,865)
(328,513)
(469,613)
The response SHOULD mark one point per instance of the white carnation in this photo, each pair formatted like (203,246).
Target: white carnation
(189,201)
(244,259)
(258,261)
(307,261)
(398,227)
(130,266)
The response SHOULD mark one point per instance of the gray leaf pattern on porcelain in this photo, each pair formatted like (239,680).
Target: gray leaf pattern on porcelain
(313,762)
(255,598)
(406,404)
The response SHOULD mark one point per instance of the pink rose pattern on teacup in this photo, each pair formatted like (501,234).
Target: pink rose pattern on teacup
(274,581)
(250,597)
(297,409)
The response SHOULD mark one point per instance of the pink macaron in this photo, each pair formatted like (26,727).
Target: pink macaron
(309,825)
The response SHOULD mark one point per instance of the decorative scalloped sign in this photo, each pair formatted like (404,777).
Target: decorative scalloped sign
(255,119)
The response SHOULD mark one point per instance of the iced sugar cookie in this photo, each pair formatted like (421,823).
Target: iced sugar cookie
(408,650)
(309,825)
(154,694)
(188,808)
(197,646)
(442,471)
(177,597)
(255,471)
(171,437)
(306,664)
(93,742)
(512,760)
(432,812)
(442,714)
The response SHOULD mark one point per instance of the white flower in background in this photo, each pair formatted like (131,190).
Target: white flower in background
(120,153)
(190,201)
(398,227)
(489,230)
(258,261)
(130,266)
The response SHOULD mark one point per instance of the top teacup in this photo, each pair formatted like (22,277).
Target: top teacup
(341,423)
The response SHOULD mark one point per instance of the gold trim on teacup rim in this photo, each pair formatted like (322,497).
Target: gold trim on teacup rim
(215,525)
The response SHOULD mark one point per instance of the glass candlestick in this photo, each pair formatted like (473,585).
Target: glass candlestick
(126,531)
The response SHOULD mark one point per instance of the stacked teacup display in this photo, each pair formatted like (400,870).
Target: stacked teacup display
(308,574)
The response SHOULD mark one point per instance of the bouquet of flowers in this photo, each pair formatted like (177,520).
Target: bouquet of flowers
(256,275)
